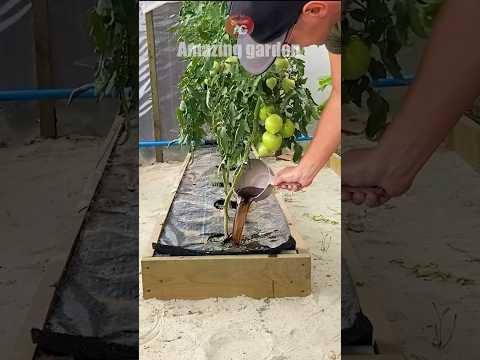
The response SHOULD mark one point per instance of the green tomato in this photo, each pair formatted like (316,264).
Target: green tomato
(263,114)
(271,109)
(281,64)
(356,59)
(263,151)
(288,85)
(266,111)
(216,67)
(271,83)
(271,142)
(273,124)
(232,60)
(205,81)
(288,129)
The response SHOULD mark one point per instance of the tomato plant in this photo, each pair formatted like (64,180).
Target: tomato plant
(114,29)
(374,31)
(220,99)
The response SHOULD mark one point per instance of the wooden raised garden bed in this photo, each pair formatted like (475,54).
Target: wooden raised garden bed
(465,140)
(198,277)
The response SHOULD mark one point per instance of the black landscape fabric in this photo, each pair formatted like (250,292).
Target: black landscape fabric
(94,314)
(194,226)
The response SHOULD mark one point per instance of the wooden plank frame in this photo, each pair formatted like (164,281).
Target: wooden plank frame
(335,163)
(152,65)
(198,277)
(465,140)
(38,313)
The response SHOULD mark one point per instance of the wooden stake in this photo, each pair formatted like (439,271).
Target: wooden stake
(152,64)
(48,118)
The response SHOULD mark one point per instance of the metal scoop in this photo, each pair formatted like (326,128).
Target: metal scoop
(256,174)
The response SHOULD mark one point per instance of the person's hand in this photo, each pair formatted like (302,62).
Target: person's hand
(292,178)
(369,178)
(370,196)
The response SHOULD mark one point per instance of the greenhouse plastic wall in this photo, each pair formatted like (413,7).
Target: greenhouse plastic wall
(73,65)
(169,69)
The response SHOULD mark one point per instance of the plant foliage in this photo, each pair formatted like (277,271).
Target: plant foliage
(221,100)
(385,27)
(113,26)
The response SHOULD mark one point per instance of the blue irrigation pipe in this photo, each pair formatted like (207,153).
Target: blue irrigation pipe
(159,143)
(42,94)
(303,138)
(382,83)
(163,143)
(393,82)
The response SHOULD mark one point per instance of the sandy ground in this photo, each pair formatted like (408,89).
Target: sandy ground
(42,175)
(435,228)
(242,328)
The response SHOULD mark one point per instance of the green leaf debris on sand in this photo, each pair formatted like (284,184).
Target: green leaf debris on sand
(431,271)
(321,218)
(442,336)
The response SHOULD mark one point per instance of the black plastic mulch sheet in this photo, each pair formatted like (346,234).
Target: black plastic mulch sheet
(356,327)
(94,313)
(194,225)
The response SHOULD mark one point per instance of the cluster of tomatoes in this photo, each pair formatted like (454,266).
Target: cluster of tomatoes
(276,128)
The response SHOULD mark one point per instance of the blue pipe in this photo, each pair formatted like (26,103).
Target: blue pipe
(303,138)
(163,143)
(382,83)
(42,94)
(159,143)
(392,82)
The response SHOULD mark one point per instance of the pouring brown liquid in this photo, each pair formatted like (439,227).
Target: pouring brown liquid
(245,197)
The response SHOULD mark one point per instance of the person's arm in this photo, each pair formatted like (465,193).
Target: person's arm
(325,140)
(327,134)
(446,83)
